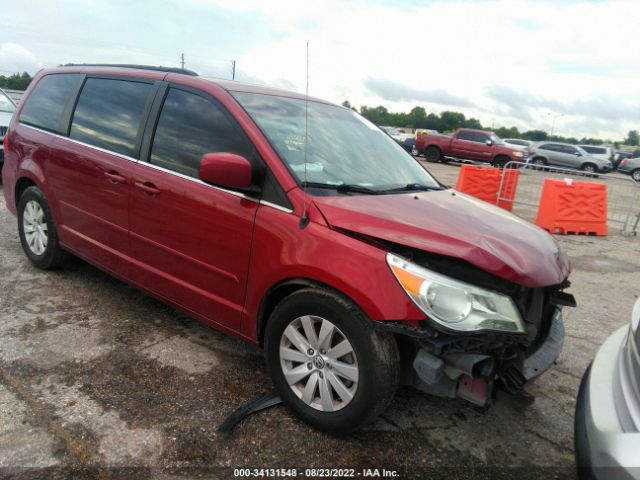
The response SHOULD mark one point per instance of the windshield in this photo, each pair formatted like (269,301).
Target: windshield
(496,139)
(6,105)
(343,148)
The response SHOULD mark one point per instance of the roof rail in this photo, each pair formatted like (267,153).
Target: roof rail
(184,71)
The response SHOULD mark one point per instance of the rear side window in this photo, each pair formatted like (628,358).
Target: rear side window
(45,106)
(465,136)
(551,147)
(109,114)
(597,150)
(189,126)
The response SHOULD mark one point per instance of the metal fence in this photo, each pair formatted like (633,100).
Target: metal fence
(623,193)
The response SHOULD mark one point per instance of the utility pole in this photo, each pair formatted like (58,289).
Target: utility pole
(233,70)
(182,61)
(553,125)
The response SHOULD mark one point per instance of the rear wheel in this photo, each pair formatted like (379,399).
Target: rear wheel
(433,154)
(37,230)
(414,151)
(332,368)
(636,174)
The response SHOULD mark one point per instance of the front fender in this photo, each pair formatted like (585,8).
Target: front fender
(281,250)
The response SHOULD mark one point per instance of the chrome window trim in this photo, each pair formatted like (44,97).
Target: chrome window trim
(276,206)
(73,140)
(162,169)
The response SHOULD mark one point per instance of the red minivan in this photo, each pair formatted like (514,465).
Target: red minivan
(291,223)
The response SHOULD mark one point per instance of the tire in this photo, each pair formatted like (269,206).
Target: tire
(539,161)
(500,161)
(589,167)
(365,370)
(414,152)
(636,174)
(37,230)
(433,154)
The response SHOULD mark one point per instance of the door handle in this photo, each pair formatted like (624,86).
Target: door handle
(148,188)
(115,177)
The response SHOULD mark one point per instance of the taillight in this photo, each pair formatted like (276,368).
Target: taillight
(623,162)
(529,150)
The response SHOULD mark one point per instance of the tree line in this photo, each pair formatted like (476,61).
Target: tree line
(17,81)
(449,121)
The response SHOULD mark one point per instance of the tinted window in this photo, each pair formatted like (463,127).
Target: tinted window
(466,136)
(597,150)
(552,147)
(569,150)
(190,126)
(45,105)
(109,112)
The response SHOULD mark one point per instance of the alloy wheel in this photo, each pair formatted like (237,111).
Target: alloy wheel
(636,175)
(34,223)
(318,363)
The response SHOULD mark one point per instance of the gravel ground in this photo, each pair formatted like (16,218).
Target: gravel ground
(98,380)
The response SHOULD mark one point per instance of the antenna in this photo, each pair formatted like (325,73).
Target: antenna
(182,61)
(304,220)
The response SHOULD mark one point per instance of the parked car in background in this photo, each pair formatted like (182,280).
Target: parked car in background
(7,107)
(517,143)
(567,156)
(606,153)
(339,254)
(468,144)
(607,419)
(631,166)
(393,133)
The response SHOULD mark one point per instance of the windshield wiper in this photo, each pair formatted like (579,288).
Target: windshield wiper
(410,187)
(342,188)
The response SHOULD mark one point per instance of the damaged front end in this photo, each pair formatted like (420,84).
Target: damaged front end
(481,332)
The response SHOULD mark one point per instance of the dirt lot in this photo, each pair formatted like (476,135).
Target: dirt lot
(98,380)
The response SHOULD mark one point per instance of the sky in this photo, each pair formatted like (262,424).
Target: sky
(530,64)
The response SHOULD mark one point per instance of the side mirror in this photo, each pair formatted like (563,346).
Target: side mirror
(578,154)
(226,170)
(488,142)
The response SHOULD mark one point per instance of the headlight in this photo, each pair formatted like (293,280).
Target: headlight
(517,153)
(455,304)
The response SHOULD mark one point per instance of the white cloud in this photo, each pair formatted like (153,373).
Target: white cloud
(15,58)
(572,57)
(576,55)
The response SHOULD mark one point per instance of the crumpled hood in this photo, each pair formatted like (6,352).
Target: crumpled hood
(450,223)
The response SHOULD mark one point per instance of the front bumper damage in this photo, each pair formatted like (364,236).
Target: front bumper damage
(473,376)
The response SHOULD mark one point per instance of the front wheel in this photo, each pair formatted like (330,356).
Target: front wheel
(589,167)
(331,367)
(500,161)
(415,152)
(636,174)
(37,230)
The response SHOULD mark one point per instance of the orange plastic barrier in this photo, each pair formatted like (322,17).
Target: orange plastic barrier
(484,182)
(509,186)
(570,207)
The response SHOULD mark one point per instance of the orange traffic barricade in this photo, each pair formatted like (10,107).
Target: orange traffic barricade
(508,188)
(570,207)
(485,183)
